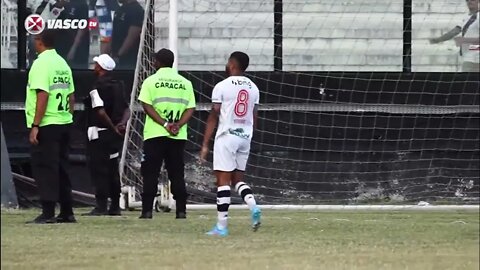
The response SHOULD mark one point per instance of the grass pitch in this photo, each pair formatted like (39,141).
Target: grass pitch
(286,240)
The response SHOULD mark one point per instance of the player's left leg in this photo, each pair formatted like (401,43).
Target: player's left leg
(223,203)
(223,165)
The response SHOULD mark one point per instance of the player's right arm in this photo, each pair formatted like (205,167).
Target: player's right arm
(212,122)
(135,17)
(209,129)
(447,36)
(80,14)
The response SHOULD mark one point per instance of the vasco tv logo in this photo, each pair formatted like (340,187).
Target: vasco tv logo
(35,24)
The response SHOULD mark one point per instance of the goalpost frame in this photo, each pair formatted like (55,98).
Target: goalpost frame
(173,30)
(148,4)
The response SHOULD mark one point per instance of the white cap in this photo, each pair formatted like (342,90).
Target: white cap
(105,61)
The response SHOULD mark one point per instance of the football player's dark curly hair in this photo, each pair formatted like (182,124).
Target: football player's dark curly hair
(242,60)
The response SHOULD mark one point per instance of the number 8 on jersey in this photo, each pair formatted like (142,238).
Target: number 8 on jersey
(241,107)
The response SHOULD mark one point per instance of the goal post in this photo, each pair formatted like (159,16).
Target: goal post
(173,30)
(340,125)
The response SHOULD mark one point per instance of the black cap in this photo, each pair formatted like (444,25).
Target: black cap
(165,56)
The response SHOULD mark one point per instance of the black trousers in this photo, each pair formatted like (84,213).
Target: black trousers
(104,167)
(157,150)
(50,167)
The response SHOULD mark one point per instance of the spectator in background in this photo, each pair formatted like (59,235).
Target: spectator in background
(48,10)
(74,44)
(127,27)
(469,42)
(103,10)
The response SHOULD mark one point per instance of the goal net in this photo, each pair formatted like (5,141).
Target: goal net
(340,123)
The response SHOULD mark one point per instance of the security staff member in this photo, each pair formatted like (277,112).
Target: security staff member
(168,101)
(107,115)
(49,108)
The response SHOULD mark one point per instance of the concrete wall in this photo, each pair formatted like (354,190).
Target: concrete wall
(327,35)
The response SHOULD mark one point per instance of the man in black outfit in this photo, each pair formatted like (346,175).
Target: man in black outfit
(127,27)
(49,109)
(107,115)
(74,44)
(168,100)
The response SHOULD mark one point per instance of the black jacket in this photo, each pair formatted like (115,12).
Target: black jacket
(112,93)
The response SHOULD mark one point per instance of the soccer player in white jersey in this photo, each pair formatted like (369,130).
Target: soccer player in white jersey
(469,41)
(235,102)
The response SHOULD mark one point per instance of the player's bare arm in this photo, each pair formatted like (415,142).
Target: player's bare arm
(132,36)
(447,36)
(78,38)
(41,107)
(255,116)
(209,129)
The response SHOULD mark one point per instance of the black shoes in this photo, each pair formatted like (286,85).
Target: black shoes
(66,219)
(114,212)
(96,212)
(146,215)
(181,215)
(42,219)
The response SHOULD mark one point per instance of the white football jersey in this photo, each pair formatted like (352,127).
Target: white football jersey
(238,96)
(49,12)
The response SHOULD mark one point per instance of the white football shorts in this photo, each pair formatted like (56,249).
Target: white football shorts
(230,153)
